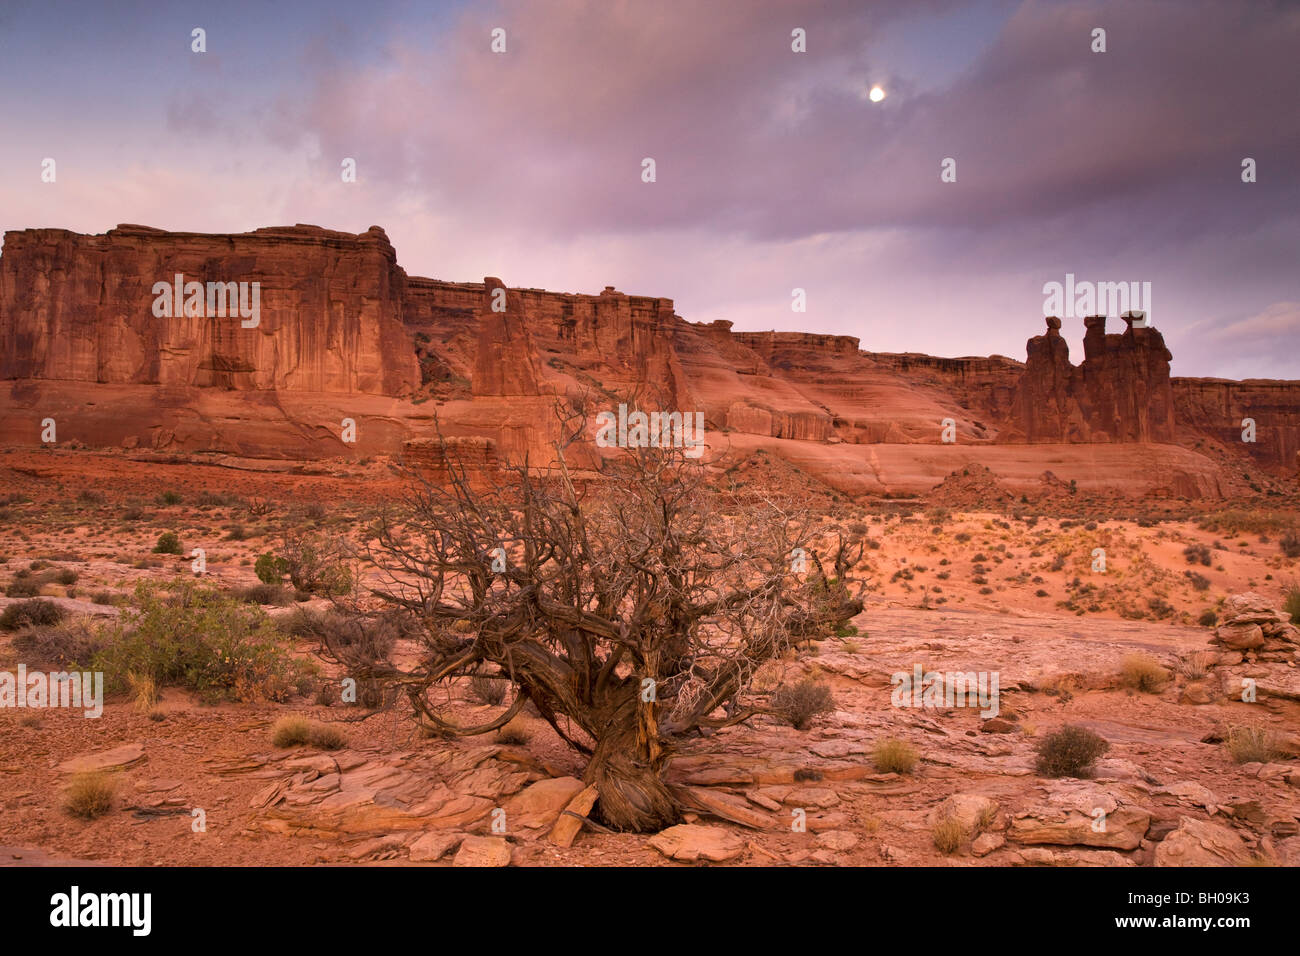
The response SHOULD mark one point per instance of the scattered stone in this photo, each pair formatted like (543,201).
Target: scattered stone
(998,725)
(839,840)
(434,845)
(482,851)
(972,810)
(986,843)
(568,826)
(119,758)
(690,842)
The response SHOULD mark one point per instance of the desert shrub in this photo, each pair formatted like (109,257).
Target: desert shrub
(145,691)
(201,639)
(316,564)
(23,587)
(218,499)
(297,731)
(1196,666)
(948,835)
(1251,743)
(1143,672)
(66,577)
(326,737)
(372,638)
(90,795)
(1197,552)
(168,543)
(69,642)
(1160,608)
(1291,603)
(894,756)
(490,690)
(263,594)
(36,612)
(1290,544)
(799,703)
(291,731)
(1208,618)
(169,498)
(237,532)
(1070,752)
(269,568)
(1199,581)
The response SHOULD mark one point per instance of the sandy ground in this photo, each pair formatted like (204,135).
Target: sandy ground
(949,590)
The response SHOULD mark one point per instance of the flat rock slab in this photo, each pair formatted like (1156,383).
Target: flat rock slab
(366,792)
(691,842)
(434,845)
(118,758)
(482,851)
(1068,817)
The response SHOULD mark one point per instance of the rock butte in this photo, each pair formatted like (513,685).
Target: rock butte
(346,333)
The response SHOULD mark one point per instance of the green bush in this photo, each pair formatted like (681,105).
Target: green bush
(201,639)
(269,569)
(168,543)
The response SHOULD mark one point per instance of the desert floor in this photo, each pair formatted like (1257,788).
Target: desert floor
(955,587)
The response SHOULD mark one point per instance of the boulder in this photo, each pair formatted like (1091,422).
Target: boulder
(1071,817)
(482,851)
(1201,843)
(693,842)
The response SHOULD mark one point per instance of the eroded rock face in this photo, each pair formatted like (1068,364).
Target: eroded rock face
(329,310)
(344,333)
(1071,817)
(506,361)
(1201,843)
(1121,392)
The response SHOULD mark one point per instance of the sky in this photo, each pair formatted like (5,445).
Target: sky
(774,169)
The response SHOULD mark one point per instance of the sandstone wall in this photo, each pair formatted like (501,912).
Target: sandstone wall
(1215,408)
(80,308)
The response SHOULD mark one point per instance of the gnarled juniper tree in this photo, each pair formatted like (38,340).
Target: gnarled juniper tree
(631,606)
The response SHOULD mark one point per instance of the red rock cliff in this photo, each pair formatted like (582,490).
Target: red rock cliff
(81,308)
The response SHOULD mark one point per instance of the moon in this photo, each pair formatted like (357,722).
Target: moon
(876,94)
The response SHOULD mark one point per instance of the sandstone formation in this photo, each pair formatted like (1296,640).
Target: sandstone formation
(345,335)
(1120,393)
(80,308)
